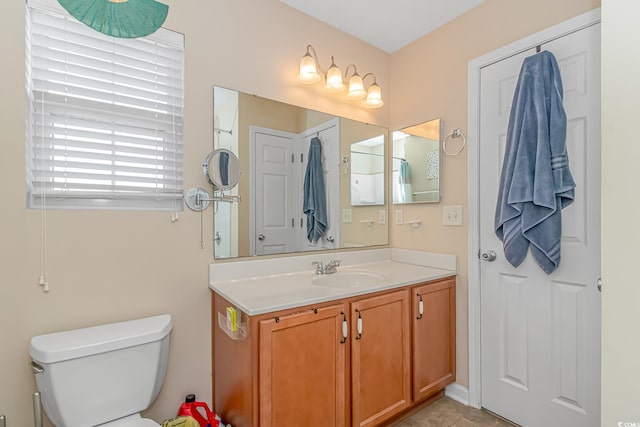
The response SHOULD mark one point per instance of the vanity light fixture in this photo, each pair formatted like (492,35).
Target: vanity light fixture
(334,82)
(374,95)
(356,86)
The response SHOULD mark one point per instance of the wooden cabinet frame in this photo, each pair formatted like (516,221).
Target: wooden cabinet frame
(380,357)
(313,338)
(240,378)
(434,337)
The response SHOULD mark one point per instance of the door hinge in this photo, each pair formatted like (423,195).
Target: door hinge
(301,157)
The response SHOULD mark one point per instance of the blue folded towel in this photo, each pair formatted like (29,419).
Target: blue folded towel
(315,202)
(536,182)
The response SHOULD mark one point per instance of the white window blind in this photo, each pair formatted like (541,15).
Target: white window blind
(105,115)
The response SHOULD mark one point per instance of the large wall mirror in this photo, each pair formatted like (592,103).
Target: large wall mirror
(271,140)
(416,163)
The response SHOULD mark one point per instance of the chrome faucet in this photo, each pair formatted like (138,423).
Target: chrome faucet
(326,269)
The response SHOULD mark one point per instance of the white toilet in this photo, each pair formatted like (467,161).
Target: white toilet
(104,375)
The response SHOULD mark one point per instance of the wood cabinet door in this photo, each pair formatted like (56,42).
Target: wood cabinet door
(434,346)
(302,369)
(380,352)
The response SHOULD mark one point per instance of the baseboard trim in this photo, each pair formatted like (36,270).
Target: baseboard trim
(458,393)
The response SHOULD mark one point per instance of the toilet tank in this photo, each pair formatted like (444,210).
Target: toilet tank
(95,375)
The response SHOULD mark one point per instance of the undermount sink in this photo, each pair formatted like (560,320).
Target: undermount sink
(350,279)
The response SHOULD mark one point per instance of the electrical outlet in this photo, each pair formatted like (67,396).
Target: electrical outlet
(399,219)
(452,215)
(346,216)
(382,217)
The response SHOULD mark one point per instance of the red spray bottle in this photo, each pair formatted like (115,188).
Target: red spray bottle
(206,417)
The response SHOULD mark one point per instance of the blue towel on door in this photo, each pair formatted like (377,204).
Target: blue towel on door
(536,182)
(315,202)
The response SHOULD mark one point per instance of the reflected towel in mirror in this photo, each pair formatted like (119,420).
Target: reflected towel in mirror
(224,167)
(402,190)
(315,202)
(405,172)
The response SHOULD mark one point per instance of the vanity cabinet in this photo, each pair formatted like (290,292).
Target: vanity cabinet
(359,361)
(302,368)
(380,357)
(433,337)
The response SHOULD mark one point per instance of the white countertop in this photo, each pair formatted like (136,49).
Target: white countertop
(260,286)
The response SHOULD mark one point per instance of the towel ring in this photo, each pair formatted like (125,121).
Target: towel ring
(456,133)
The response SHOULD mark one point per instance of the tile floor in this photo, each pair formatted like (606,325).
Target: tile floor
(447,412)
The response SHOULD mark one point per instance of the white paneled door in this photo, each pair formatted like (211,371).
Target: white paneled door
(540,334)
(273,192)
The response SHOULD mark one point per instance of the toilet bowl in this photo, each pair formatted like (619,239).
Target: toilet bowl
(104,375)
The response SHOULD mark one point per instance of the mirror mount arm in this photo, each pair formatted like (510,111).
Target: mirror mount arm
(222,198)
(197,199)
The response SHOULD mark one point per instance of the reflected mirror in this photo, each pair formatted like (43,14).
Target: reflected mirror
(271,140)
(416,163)
(367,172)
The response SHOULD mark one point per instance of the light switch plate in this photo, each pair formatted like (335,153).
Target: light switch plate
(346,216)
(452,215)
(382,217)
(399,219)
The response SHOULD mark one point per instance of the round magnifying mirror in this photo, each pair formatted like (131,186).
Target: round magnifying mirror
(222,168)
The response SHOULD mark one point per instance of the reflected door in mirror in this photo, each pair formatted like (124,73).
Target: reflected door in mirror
(273,192)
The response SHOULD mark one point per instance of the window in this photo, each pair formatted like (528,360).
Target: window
(105,115)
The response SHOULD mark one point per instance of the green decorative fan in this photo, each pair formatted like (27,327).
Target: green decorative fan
(119,18)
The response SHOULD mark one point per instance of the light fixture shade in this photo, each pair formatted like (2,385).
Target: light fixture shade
(308,71)
(119,18)
(334,82)
(374,96)
(356,87)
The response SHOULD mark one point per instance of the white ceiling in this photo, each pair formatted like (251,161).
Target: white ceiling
(385,24)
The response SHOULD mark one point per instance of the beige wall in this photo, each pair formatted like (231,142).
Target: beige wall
(111,266)
(620,213)
(429,80)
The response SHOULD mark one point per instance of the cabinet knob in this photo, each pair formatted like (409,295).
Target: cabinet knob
(359,325)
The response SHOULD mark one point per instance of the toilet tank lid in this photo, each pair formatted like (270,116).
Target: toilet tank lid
(59,346)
